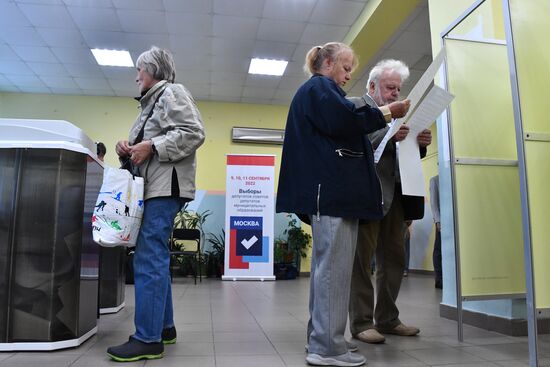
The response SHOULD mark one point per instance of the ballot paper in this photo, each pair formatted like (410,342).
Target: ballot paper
(410,167)
(394,126)
(415,96)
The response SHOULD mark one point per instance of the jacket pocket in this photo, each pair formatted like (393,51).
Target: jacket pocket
(343,152)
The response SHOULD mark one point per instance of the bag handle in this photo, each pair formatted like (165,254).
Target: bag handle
(127,163)
(139,137)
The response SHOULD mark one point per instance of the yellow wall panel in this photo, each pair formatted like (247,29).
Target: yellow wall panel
(489,221)
(108,119)
(538,175)
(531,28)
(482,115)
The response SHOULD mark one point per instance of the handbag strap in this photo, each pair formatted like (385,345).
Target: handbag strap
(139,137)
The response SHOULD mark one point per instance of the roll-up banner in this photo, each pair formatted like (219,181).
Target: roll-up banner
(249,216)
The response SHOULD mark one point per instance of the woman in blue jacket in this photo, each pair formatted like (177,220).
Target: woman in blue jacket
(327,175)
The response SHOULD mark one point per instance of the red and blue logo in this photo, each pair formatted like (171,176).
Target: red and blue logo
(247,243)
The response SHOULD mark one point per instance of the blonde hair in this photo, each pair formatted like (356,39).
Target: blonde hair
(318,54)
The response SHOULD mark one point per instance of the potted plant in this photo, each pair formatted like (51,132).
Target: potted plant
(216,256)
(298,241)
(289,251)
(283,260)
(186,218)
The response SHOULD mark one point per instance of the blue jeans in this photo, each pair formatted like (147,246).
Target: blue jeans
(153,292)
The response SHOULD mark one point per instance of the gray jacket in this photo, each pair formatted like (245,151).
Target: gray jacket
(176,129)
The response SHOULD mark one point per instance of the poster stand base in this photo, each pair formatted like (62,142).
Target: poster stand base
(246,277)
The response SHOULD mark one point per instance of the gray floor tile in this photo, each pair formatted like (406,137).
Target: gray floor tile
(250,361)
(189,349)
(476,364)
(101,361)
(182,361)
(239,336)
(443,355)
(227,324)
(39,360)
(6,355)
(183,328)
(287,336)
(295,360)
(500,352)
(412,342)
(185,336)
(289,347)
(248,348)
(513,363)
(390,357)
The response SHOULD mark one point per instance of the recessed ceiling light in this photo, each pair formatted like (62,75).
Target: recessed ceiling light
(112,57)
(267,67)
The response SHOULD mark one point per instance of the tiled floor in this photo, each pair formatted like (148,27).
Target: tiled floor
(250,324)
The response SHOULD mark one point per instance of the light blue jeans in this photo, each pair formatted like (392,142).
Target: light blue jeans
(153,292)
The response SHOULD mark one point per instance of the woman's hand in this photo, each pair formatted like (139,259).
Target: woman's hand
(399,108)
(140,152)
(122,148)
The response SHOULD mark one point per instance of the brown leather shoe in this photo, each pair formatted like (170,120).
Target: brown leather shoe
(401,330)
(371,336)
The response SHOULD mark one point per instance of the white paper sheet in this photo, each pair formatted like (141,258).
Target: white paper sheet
(395,125)
(420,88)
(410,167)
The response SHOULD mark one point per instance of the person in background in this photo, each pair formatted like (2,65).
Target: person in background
(327,177)
(161,146)
(436,256)
(384,237)
(101,150)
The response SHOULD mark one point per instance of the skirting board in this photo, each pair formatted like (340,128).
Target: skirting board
(512,327)
(108,310)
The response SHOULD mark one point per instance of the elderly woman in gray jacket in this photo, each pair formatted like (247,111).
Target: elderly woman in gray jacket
(161,146)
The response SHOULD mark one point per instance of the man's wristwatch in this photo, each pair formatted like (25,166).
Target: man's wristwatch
(153,148)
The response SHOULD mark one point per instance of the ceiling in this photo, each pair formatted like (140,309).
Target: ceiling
(45,44)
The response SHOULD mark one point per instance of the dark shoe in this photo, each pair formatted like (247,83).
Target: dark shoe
(134,350)
(169,335)
(439,284)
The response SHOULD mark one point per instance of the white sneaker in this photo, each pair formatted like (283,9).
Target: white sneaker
(346,359)
(352,347)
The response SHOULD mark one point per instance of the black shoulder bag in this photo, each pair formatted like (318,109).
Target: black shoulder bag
(127,162)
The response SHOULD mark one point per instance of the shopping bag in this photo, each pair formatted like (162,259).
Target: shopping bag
(119,209)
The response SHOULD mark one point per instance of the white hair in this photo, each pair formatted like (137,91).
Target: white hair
(158,63)
(390,66)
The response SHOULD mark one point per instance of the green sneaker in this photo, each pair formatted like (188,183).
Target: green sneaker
(134,350)
(169,335)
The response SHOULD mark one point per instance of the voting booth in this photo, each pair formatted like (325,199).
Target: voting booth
(49,181)
(112,279)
